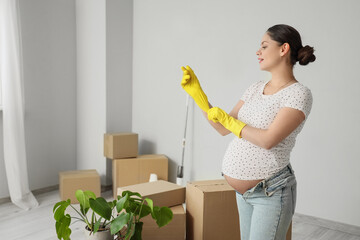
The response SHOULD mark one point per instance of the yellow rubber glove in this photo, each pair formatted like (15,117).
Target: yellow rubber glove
(191,85)
(234,125)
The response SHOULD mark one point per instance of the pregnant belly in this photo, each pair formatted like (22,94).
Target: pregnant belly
(241,185)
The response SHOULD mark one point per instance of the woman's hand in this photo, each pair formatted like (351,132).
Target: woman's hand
(216,114)
(191,85)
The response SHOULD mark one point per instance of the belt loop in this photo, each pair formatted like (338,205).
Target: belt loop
(290,168)
(263,183)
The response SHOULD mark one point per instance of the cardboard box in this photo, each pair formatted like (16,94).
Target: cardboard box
(175,230)
(211,211)
(289,232)
(163,193)
(120,145)
(86,180)
(132,171)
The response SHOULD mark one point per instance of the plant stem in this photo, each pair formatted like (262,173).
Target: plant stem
(79,219)
(92,220)
(142,203)
(84,218)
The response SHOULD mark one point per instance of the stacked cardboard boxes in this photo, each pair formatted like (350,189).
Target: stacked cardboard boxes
(128,167)
(211,211)
(163,194)
(131,171)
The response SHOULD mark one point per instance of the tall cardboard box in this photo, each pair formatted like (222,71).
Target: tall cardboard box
(163,193)
(211,211)
(86,180)
(120,145)
(175,230)
(132,171)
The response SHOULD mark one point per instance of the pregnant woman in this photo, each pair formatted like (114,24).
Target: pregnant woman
(265,122)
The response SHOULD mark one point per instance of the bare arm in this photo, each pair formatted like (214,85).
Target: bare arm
(220,128)
(285,122)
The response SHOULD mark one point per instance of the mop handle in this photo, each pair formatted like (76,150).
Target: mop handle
(184,139)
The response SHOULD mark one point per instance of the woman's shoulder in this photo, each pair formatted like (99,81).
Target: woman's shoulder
(298,92)
(257,84)
(302,88)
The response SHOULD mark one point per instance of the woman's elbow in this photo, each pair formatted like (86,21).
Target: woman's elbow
(269,144)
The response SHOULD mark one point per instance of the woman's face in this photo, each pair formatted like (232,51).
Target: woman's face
(269,54)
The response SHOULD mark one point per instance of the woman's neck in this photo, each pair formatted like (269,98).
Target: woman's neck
(281,77)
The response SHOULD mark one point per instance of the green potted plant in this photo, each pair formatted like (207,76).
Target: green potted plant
(97,227)
(130,209)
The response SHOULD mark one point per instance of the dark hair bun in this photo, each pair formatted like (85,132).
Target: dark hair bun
(306,55)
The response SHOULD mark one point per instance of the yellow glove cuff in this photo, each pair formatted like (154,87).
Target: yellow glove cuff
(234,125)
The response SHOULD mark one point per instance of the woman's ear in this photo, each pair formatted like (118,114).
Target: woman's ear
(285,48)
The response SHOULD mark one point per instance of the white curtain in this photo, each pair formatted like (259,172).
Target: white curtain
(13,106)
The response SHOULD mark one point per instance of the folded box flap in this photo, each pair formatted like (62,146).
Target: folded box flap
(212,185)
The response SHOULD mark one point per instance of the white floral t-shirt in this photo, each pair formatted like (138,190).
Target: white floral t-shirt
(247,161)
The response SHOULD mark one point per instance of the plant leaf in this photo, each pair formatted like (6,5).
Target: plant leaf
(137,232)
(112,204)
(83,200)
(163,216)
(150,203)
(60,210)
(121,203)
(130,193)
(57,205)
(130,231)
(62,227)
(90,194)
(155,210)
(145,210)
(96,226)
(101,207)
(133,207)
(118,223)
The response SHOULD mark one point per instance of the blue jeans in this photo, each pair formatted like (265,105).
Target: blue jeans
(266,210)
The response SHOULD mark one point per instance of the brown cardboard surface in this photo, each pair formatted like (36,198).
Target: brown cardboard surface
(206,199)
(70,181)
(211,211)
(120,145)
(289,232)
(163,193)
(175,230)
(137,170)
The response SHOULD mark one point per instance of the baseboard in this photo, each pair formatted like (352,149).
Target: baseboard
(337,226)
(49,189)
(4,200)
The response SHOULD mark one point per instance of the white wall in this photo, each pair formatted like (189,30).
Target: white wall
(78,73)
(91,84)
(219,39)
(119,27)
(104,71)
(48,32)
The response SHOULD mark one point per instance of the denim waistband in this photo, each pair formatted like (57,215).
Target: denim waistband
(283,173)
(276,179)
